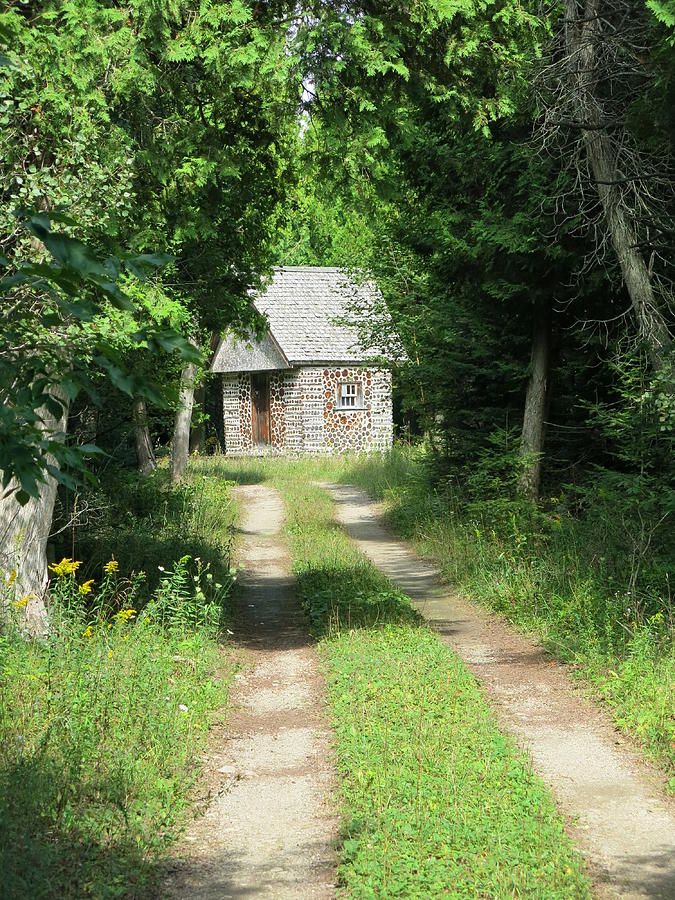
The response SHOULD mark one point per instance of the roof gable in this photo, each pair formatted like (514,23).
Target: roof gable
(235,354)
(310,310)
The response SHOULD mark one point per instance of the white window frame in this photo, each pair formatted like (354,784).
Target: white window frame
(349,396)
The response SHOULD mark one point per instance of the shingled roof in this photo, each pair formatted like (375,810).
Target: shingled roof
(307,308)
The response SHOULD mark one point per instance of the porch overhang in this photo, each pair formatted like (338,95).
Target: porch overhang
(235,354)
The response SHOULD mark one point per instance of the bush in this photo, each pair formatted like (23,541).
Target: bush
(146,523)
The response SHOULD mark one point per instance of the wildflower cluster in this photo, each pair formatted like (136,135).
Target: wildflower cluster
(111,567)
(124,615)
(65,567)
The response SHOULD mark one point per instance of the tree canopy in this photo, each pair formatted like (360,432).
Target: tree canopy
(504,172)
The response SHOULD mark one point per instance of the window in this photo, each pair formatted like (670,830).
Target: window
(349,395)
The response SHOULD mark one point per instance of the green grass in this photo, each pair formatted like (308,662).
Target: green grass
(561,576)
(102,725)
(436,801)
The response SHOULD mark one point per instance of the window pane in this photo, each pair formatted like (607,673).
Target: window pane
(349,394)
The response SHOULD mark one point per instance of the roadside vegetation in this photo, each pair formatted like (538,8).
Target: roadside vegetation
(102,723)
(435,799)
(589,573)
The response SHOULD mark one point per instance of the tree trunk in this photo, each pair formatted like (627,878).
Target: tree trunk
(181,436)
(536,397)
(144,451)
(24,531)
(198,432)
(651,323)
(602,153)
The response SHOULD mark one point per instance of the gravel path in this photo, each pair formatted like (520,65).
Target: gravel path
(625,828)
(270,830)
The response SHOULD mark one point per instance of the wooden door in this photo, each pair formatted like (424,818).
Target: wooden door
(260,401)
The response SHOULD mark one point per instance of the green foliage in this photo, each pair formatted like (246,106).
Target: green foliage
(102,725)
(50,339)
(147,524)
(427,110)
(159,127)
(664,11)
(189,596)
(367,62)
(321,227)
(434,128)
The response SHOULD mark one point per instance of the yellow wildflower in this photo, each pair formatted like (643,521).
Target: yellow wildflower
(110,654)
(11,578)
(19,604)
(65,567)
(124,615)
(88,632)
(111,566)
(85,587)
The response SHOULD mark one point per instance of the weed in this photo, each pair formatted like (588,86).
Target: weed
(102,723)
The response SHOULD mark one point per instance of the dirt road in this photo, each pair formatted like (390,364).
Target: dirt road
(270,829)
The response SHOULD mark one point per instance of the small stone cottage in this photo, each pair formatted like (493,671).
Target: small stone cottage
(308,386)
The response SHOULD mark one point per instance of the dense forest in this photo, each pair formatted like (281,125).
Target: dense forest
(507,179)
(503,170)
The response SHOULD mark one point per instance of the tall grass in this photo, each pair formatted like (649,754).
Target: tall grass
(102,723)
(146,524)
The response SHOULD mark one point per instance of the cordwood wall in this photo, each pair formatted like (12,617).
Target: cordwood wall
(304,413)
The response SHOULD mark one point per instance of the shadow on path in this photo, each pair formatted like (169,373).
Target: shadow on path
(625,828)
(269,830)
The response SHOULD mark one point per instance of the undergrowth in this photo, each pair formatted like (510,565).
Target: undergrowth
(146,524)
(102,723)
(582,571)
(436,800)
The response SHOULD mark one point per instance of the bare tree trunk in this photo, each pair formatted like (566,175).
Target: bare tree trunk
(536,402)
(24,531)
(651,323)
(181,436)
(581,36)
(198,431)
(144,451)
